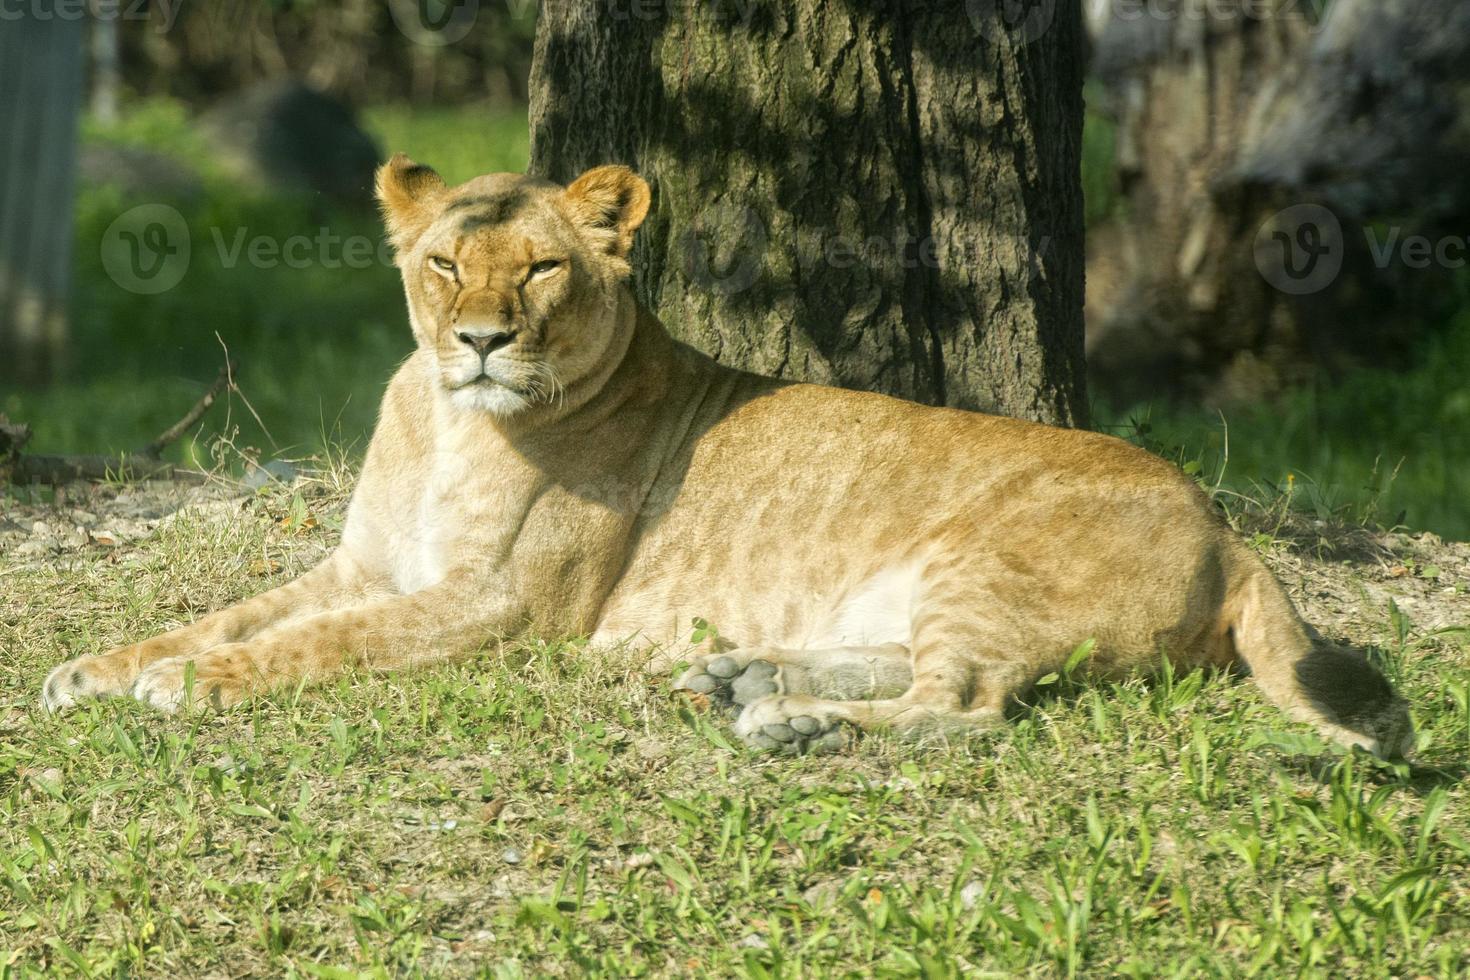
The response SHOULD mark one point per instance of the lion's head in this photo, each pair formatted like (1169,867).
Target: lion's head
(512,282)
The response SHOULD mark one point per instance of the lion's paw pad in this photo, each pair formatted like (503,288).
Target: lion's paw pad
(759,679)
(780,724)
(729,682)
(724,668)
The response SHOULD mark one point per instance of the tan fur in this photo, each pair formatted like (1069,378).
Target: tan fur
(865,559)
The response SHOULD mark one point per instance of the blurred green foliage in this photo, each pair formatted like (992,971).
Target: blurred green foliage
(1379,446)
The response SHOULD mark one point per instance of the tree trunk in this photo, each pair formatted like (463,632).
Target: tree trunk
(1248,136)
(879,196)
(106,54)
(39,100)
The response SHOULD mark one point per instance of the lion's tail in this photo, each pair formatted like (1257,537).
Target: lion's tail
(1334,688)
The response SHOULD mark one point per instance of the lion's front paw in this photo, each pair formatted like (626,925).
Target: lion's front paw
(791,724)
(219,679)
(732,679)
(89,677)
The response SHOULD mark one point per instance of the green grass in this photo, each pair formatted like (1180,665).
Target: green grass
(460,143)
(1386,450)
(1381,447)
(551,813)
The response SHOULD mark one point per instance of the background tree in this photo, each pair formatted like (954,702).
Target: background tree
(42,54)
(876,196)
(1242,125)
(430,52)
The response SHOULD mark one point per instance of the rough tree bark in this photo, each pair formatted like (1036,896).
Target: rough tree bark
(876,195)
(1237,124)
(42,53)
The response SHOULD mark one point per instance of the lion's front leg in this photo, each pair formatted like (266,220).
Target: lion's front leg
(433,624)
(334,583)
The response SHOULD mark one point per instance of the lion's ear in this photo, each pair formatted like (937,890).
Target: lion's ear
(406,193)
(609,203)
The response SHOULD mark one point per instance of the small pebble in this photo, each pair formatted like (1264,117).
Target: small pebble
(273,471)
(823,894)
(512,855)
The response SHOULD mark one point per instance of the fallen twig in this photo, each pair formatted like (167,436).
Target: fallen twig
(144,464)
(172,433)
(43,468)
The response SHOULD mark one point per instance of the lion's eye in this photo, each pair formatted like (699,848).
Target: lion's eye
(544,266)
(442,264)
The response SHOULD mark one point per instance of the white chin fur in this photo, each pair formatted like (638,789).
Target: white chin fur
(495,399)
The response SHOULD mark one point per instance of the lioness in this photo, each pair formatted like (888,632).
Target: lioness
(550,460)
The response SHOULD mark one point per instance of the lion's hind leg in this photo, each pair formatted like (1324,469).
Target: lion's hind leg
(801,723)
(744,675)
(955,687)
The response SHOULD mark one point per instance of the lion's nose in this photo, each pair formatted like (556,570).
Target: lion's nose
(486,341)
